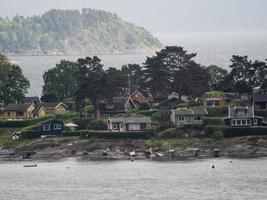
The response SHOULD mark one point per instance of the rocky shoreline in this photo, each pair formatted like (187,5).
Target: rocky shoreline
(165,150)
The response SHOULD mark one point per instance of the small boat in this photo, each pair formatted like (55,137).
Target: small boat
(30,165)
(132,153)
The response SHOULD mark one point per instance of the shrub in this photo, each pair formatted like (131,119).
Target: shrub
(163,118)
(144,106)
(98,124)
(210,129)
(217,111)
(217,135)
(260,112)
(31,134)
(189,104)
(83,123)
(190,126)
(213,121)
(24,123)
(148,113)
(30,128)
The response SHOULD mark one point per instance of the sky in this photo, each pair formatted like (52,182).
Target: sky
(161,16)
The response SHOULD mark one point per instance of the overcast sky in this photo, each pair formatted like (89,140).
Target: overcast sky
(162,16)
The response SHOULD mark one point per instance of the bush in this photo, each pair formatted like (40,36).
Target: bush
(213,121)
(24,123)
(217,111)
(217,135)
(144,106)
(30,128)
(260,112)
(31,134)
(190,126)
(210,129)
(147,113)
(189,104)
(98,124)
(113,135)
(70,133)
(83,123)
(163,118)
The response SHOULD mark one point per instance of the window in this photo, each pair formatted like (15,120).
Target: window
(46,127)
(234,122)
(249,122)
(180,118)
(114,126)
(121,115)
(57,126)
(197,118)
(20,113)
(238,122)
(105,115)
(255,122)
(244,122)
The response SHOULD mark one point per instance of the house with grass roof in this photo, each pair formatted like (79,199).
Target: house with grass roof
(193,115)
(214,98)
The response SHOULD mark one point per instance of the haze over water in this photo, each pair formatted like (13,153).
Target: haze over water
(212,48)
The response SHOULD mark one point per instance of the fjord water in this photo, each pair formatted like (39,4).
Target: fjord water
(95,180)
(212,48)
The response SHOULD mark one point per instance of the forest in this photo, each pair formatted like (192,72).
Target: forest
(73,32)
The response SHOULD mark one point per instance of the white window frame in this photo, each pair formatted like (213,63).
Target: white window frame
(57,126)
(46,127)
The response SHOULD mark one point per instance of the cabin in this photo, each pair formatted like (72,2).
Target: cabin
(140,97)
(128,124)
(214,98)
(58,108)
(242,116)
(119,107)
(194,115)
(51,127)
(19,111)
(260,100)
(39,111)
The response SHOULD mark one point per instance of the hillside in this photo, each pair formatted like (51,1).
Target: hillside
(73,32)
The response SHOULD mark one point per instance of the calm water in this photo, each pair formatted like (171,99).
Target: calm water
(240,180)
(215,48)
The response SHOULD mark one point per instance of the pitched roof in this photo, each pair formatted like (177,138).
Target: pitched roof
(18,107)
(214,94)
(53,105)
(190,111)
(130,120)
(260,98)
(118,105)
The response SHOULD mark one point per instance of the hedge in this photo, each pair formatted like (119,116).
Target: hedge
(148,113)
(261,113)
(213,121)
(190,126)
(114,135)
(24,123)
(217,111)
(236,131)
(31,134)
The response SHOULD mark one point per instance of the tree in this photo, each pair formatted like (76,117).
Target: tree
(216,76)
(91,81)
(13,84)
(242,74)
(60,81)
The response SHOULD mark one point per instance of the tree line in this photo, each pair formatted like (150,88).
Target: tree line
(170,69)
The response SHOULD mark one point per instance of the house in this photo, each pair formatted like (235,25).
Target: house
(260,100)
(119,107)
(214,98)
(128,124)
(188,115)
(140,97)
(19,111)
(58,108)
(242,116)
(51,127)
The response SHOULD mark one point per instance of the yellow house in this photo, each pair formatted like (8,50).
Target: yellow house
(59,108)
(19,111)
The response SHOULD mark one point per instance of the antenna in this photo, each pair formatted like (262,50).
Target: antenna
(129,85)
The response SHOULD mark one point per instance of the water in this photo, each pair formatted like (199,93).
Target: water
(212,48)
(241,179)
